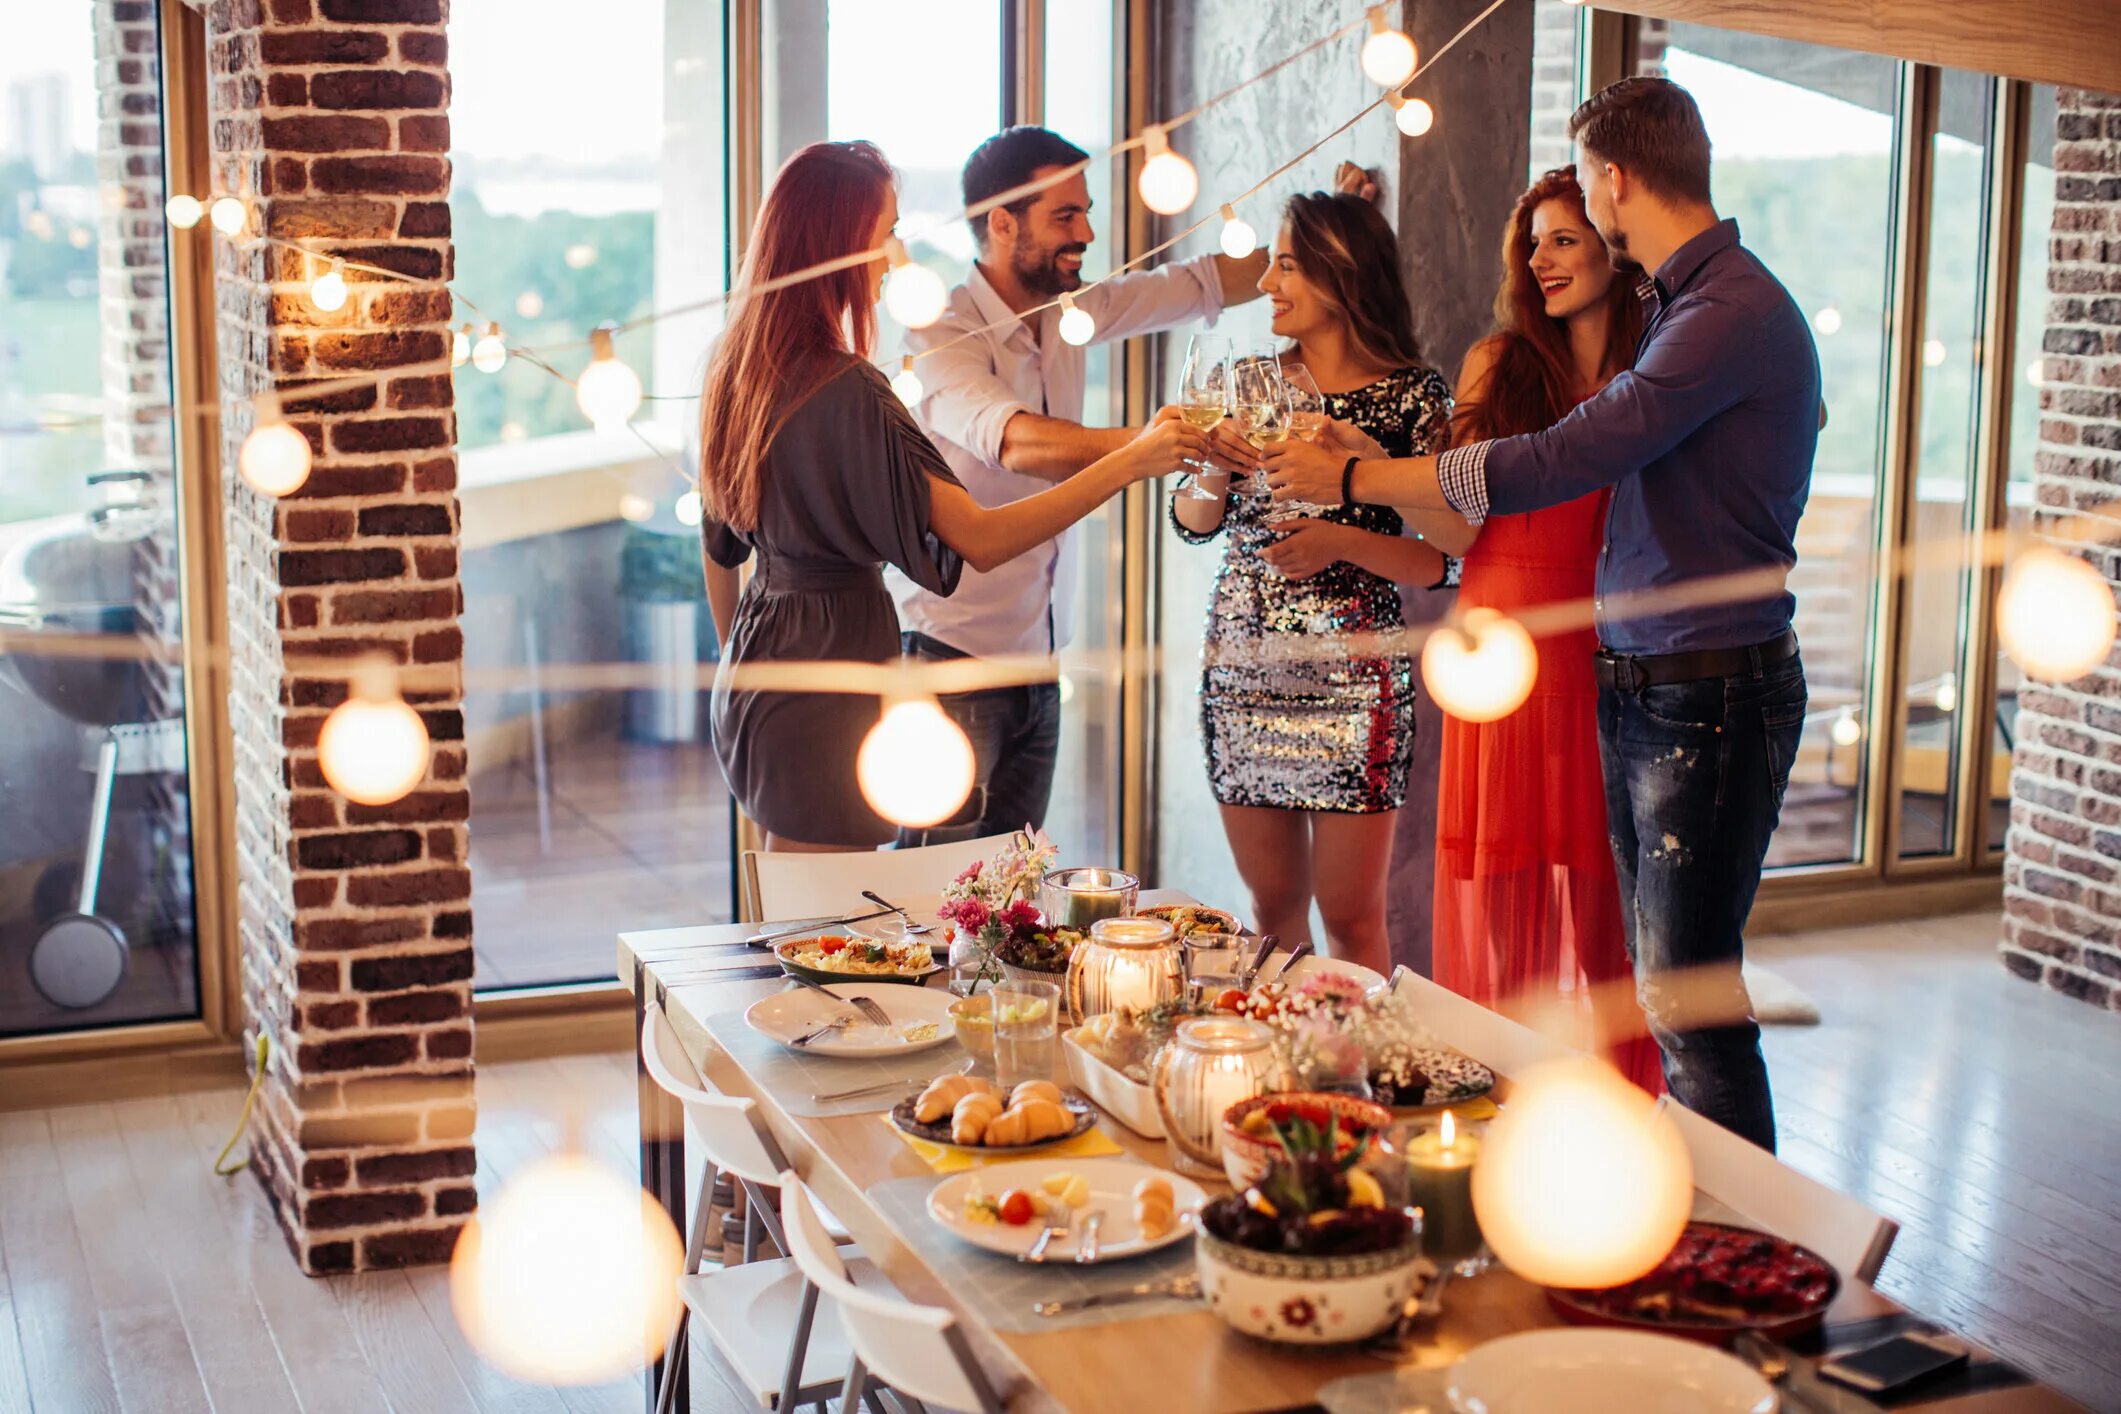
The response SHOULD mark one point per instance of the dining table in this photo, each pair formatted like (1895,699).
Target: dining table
(1160,1355)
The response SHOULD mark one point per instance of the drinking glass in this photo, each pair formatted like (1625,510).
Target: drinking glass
(1204,398)
(1307,423)
(1262,402)
(1026,1031)
(1215,961)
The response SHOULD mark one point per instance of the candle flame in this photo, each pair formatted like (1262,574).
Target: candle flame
(1450,1130)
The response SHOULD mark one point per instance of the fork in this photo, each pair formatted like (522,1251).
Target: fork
(1086,1248)
(912,928)
(1057,1222)
(837,1023)
(869,1009)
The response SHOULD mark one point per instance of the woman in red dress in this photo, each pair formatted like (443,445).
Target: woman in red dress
(1527,911)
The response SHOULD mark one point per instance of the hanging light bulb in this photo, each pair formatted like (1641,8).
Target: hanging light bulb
(182,211)
(1934,353)
(689,509)
(328,291)
(489,353)
(915,766)
(1388,56)
(530,304)
(608,392)
(1584,1181)
(373,747)
(1413,115)
(1827,321)
(460,345)
(1847,729)
(1481,670)
(2036,372)
(579,256)
(569,1275)
(2054,614)
(1238,239)
(1168,182)
(274,457)
(1076,324)
(906,383)
(1947,697)
(914,294)
(227,215)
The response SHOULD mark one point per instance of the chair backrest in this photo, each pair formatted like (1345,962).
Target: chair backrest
(1504,1046)
(917,1350)
(1771,1195)
(795,885)
(728,1127)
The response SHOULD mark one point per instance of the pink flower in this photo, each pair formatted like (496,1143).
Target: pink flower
(1331,986)
(969,914)
(972,871)
(1020,917)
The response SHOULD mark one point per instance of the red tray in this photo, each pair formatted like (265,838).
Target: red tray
(1578,1308)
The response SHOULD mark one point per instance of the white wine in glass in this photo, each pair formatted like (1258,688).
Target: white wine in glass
(1204,398)
(1262,408)
(1307,406)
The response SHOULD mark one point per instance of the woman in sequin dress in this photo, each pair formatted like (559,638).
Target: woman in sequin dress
(1308,758)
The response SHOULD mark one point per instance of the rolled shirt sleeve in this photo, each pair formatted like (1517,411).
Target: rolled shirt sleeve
(965,402)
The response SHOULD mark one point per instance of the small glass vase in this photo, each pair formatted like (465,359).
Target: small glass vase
(1212,1063)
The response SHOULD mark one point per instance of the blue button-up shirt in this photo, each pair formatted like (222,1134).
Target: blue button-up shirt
(1707,441)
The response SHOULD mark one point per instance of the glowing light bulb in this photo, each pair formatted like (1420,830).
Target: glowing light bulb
(1388,56)
(373,747)
(1948,693)
(2054,614)
(689,509)
(906,383)
(328,291)
(1413,115)
(489,353)
(1168,182)
(513,431)
(530,304)
(1076,325)
(79,237)
(1482,670)
(635,507)
(1934,353)
(914,294)
(1847,730)
(274,458)
(568,1276)
(1584,1181)
(915,766)
(460,346)
(608,392)
(2036,372)
(227,215)
(580,256)
(1827,321)
(1238,239)
(183,212)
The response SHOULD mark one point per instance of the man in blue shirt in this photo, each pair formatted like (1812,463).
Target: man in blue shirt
(1707,443)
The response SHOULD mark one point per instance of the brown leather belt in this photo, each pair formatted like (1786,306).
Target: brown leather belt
(1630,674)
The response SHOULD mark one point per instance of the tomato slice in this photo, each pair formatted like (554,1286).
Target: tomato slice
(1016,1207)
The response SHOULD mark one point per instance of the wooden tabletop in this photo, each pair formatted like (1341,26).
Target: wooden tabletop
(1122,1364)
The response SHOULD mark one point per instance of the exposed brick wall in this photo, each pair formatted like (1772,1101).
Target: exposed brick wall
(1554,25)
(2062,873)
(330,117)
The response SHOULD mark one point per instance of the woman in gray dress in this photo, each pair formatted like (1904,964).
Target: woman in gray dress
(809,462)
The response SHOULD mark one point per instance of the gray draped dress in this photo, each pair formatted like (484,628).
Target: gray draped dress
(844,491)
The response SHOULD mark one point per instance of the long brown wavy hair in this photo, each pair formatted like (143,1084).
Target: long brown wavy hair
(782,345)
(1346,249)
(1531,383)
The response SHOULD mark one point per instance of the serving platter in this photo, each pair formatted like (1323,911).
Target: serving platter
(1111,1183)
(784,951)
(1682,1298)
(939,1132)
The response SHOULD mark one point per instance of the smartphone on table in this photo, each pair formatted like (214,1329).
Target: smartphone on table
(1895,1364)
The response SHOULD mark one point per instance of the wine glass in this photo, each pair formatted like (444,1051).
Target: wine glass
(1262,401)
(1307,423)
(1204,398)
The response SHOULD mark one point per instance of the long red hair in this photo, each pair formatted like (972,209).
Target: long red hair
(783,344)
(1531,383)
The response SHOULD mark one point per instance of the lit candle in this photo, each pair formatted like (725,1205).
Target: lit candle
(1126,962)
(1440,1181)
(1076,898)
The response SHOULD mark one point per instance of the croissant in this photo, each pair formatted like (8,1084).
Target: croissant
(942,1096)
(1035,1090)
(1044,1119)
(973,1119)
(1007,1130)
(1153,1207)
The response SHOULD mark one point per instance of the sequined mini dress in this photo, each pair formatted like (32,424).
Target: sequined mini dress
(1328,733)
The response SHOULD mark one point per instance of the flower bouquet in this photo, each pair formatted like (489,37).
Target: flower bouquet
(1338,1037)
(992,920)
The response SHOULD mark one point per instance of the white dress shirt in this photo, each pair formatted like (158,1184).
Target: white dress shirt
(974,387)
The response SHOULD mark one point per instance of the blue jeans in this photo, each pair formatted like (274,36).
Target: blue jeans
(1015,734)
(1694,778)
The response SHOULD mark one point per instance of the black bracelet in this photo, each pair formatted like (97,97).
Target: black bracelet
(1347,482)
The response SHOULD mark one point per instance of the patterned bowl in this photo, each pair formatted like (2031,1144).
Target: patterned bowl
(1306,1300)
(1246,1154)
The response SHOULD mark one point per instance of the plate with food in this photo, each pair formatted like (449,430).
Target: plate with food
(1004,1207)
(1719,1280)
(835,957)
(966,1112)
(1191,918)
(918,1019)
(1424,1077)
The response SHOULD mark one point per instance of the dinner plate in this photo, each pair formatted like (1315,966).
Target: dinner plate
(1647,1303)
(1111,1192)
(799,1011)
(1603,1372)
(1312,965)
(939,1132)
(892,929)
(1453,1079)
(827,976)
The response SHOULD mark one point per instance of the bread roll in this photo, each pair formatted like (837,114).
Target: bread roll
(1044,1119)
(1154,1207)
(973,1117)
(1007,1130)
(1035,1090)
(942,1096)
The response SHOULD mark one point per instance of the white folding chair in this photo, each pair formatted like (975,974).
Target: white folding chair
(759,1312)
(1502,1045)
(788,884)
(916,1351)
(1772,1196)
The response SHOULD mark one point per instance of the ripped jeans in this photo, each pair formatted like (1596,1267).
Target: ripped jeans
(1694,777)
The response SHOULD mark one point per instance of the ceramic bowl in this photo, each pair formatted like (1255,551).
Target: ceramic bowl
(974,1019)
(1306,1300)
(1246,1155)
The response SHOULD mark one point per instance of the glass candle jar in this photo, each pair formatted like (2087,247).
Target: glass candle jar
(1077,898)
(1125,962)
(1212,1063)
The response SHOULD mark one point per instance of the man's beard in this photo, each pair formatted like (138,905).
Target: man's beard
(1041,274)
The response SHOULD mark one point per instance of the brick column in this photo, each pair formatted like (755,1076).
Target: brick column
(2062,872)
(330,119)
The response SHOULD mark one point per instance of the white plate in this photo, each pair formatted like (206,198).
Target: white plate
(1111,1190)
(891,928)
(1604,1372)
(798,1011)
(1313,965)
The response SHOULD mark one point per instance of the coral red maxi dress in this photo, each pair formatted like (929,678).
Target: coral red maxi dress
(1527,910)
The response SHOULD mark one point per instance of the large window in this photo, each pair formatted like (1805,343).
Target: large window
(96,899)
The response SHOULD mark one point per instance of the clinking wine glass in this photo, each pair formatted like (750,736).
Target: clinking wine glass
(1262,401)
(1307,423)
(1203,399)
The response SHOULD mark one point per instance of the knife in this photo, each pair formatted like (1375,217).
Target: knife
(1184,1288)
(757,940)
(1259,958)
(1296,954)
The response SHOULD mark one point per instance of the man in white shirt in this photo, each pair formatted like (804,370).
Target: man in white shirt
(1004,406)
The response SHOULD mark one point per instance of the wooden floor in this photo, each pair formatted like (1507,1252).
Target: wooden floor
(1974,1108)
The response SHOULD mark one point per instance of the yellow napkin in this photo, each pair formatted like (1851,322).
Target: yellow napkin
(1090,1144)
(1469,1111)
